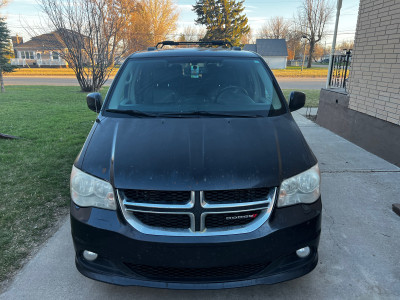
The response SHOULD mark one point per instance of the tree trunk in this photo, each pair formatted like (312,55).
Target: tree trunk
(1,80)
(310,53)
(84,84)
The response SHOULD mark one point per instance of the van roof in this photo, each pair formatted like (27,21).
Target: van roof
(193,52)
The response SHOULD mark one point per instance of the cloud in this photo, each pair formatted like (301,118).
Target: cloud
(25,1)
(186,23)
(257,19)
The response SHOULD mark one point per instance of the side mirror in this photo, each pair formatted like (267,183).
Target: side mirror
(297,100)
(94,101)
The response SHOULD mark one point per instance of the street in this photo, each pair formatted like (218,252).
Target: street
(39,80)
(284,82)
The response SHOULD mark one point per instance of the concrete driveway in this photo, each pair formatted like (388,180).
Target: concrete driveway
(359,249)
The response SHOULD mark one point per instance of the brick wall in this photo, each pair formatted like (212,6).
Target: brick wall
(374,81)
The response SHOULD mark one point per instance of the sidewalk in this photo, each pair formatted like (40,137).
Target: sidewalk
(359,248)
(308,111)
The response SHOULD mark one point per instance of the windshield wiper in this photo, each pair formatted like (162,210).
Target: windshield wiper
(132,112)
(138,113)
(207,114)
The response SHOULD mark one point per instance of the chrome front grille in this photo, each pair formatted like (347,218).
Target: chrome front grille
(197,213)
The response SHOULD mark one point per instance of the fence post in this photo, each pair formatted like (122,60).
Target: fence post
(348,56)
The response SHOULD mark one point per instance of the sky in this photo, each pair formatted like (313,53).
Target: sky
(22,14)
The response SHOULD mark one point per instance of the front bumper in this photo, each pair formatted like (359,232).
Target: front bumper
(125,255)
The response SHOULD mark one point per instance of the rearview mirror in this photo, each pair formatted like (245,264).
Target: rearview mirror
(94,101)
(297,100)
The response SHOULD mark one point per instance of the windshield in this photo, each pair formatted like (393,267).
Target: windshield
(182,85)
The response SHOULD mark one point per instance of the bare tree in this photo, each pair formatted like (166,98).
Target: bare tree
(346,45)
(247,38)
(319,52)
(3,2)
(312,18)
(275,28)
(192,33)
(293,41)
(279,28)
(91,33)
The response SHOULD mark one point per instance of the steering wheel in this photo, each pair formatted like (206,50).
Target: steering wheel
(235,89)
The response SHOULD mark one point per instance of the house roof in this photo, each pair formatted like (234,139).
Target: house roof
(48,41)
(268,47)
(250,47)
(16,40)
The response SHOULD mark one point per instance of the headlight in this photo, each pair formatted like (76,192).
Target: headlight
(302,188)
(87,190)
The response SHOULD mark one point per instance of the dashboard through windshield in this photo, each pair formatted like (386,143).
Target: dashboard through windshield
(182,85)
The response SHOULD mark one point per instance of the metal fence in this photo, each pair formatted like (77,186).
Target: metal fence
(339,74)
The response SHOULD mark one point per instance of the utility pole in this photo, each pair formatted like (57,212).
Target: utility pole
(339,7)
(304,52)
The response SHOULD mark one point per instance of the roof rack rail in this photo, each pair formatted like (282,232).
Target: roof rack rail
(202,43)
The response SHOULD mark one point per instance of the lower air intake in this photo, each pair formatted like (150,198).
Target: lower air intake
(190,274)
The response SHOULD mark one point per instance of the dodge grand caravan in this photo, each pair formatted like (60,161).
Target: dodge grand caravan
(195,176)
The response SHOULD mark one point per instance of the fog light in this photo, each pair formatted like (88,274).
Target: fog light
(303,252)
(90,256)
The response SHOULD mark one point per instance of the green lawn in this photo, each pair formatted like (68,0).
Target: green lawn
(305,67)
(296,72)
(312,96)
(52,123)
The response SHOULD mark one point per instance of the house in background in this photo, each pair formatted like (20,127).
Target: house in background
(15,41)
(366,108)
(41,51)
(273,51)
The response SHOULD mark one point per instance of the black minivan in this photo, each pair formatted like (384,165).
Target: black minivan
(195,176)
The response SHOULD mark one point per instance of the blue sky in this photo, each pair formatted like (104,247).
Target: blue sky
(25,13)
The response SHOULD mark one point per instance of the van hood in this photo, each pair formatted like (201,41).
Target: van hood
(195,153)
